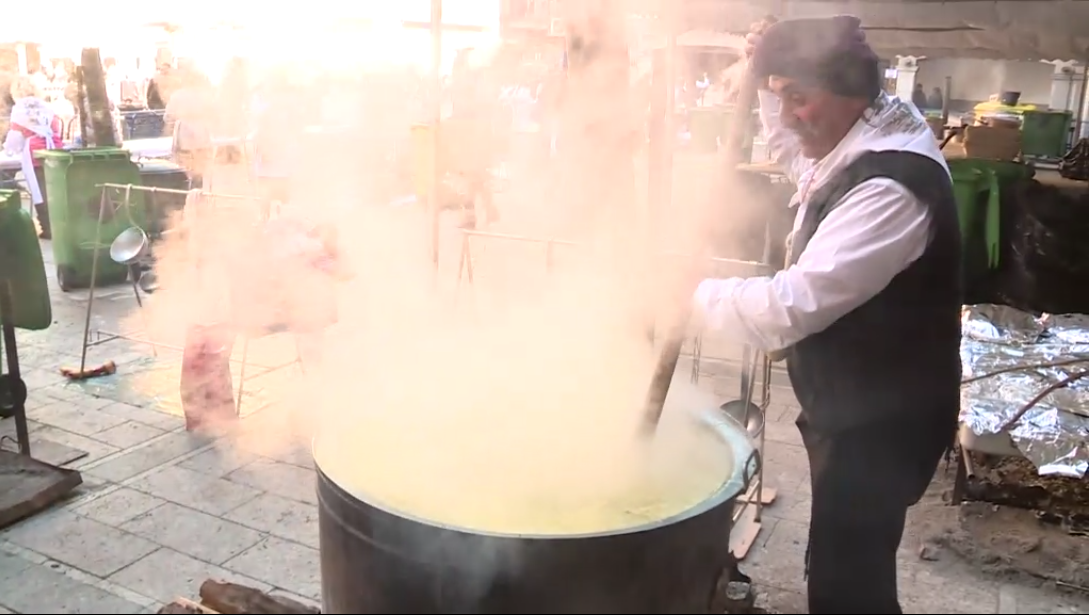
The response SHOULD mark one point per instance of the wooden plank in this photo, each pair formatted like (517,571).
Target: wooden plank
(100,120)
(745,532)
(767,496)
(182,606)
(235,599)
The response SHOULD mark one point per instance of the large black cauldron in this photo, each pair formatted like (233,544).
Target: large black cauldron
(375,560)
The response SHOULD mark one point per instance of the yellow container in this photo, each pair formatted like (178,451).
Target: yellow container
(993,106)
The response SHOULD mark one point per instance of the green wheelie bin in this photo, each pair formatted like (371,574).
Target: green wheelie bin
(72,179)
(1044,133)
(22,269)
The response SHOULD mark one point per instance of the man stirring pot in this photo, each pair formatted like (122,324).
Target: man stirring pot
(867,310)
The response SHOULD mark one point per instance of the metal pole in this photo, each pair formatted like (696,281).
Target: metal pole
(1081,98)
(436,121)
(94,281)
(945,101)
(155,190)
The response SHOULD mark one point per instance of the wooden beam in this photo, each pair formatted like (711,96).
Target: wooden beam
(182,606)
(235,599)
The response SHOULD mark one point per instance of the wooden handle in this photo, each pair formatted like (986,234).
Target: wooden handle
(740,120)
(671,349)
(663,374)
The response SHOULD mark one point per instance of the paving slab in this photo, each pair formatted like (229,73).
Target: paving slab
(128,434)
(205,493)
(282,517)
(42,589)
(151,417)
(75,418)
(219,460)
(149,455)
(166,574)
(281,563)
(118,506)
(283,479)
(193,533)
(82,543)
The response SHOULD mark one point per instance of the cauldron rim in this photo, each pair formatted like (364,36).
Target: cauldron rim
(744,468)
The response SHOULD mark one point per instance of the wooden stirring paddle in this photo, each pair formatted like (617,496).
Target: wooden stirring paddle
(671,349)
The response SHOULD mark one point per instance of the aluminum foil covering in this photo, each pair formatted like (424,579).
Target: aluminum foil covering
(1054,434)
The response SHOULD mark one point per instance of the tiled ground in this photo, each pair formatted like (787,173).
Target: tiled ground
(162,510)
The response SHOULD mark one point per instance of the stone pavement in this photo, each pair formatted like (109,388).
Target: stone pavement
(161,509)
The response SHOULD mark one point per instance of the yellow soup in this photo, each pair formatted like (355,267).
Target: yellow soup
(512,481)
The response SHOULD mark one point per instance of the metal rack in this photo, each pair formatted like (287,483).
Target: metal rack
(749,410)
(102,337)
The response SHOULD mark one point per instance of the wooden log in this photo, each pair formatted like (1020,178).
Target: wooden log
(181,606)
(235,599)
(99,120)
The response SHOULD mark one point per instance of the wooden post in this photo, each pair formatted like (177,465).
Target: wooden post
(99,119)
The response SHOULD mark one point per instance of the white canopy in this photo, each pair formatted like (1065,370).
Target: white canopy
(999,29)
(1002,29)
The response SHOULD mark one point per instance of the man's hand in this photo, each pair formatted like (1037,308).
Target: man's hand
(755,32)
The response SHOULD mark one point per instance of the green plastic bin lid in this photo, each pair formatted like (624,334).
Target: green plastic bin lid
(1004,169)
(156,167)
(89,153)
(965,173)
(10,201)
(1039,112)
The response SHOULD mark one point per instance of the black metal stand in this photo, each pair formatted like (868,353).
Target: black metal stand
(13,388)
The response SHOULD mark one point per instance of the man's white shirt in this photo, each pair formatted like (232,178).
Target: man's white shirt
(877,231)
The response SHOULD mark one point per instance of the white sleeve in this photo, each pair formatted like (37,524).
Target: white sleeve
(782,144)
(14,143)
(875,233)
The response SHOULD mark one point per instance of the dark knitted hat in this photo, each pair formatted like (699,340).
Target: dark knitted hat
(828,52)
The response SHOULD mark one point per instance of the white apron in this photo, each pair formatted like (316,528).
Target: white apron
(27,161)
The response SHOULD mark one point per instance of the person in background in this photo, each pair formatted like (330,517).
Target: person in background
(60,73)
(65,108)
(702,85)
(40,80)
(935,101)
(159,88)
(867,309)
(918,97)
(33,127)
(131,95)
(190,117)
(6,102)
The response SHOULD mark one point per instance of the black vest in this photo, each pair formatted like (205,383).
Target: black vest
(898,354)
